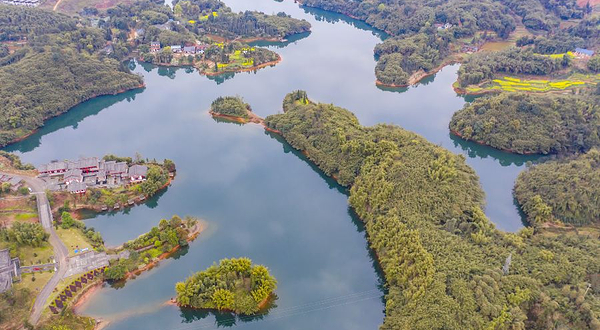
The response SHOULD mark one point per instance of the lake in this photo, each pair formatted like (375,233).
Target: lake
(260,198)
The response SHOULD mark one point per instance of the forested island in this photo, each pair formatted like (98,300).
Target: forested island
(234,285)
(564,191)
(422,208)
(530,124)
(230,107)
(60,66)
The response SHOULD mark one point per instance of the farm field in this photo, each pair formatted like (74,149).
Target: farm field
(512,84)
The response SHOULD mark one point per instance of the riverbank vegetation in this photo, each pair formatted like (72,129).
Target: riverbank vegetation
(232,106)
(422,209)
(59,66)
(566,191)
(530,124)
(167,237)
(233,285)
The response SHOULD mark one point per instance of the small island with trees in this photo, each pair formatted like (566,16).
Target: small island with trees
(232,108)
(233,285)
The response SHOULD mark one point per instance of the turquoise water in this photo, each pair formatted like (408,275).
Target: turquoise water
(259,197)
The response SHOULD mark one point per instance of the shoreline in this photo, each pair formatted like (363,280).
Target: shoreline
(91,290)
(98,209)
(24,137)
(250,69)
(261,305)
(218,73)
(508,151)
(418,76)
(253,118)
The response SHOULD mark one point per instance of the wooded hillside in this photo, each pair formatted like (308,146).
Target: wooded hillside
(525,124)
(566,190)
(56,70)
(422,208)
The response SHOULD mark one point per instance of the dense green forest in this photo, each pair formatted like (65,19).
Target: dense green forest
(18,22)
(61,67)
(545,14)
(213,16)
(422,208)
(232,285)
(484,66)
(230,106)
(525,124)
(566,190)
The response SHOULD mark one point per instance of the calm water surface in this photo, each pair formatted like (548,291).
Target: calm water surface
(260,198)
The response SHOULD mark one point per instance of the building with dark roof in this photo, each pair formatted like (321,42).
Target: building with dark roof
(137,173)
(9,269)
(77,188)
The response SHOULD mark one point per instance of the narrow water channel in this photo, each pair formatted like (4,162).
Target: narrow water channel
(260,198)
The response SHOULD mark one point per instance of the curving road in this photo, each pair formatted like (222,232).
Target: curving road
(60,250)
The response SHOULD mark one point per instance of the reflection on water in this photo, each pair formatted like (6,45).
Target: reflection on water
(75,116)
(331,17)
(476,150)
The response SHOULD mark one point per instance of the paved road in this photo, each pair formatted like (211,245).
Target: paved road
(60,251)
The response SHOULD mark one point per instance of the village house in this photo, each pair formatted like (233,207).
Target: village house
(77,176)
(189,50)
(24,3)
(583,53)
(14,182)
(154,46)
(74,175)
(176,48)
(9,268)
(79,188)
(137,173)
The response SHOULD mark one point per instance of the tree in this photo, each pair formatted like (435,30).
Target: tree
(116,272)
(594,64)
(25,233)
(66,220)
(223,299)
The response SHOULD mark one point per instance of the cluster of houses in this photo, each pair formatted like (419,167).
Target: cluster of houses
(9,270)
(25,3)
(77,176)
(188,50)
